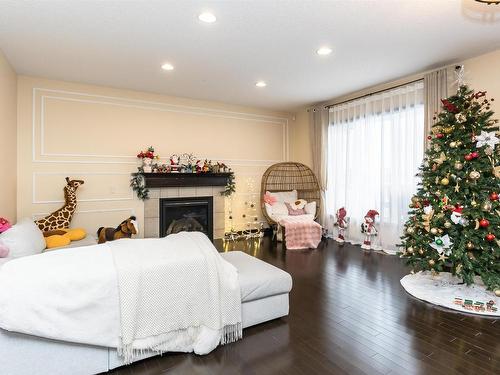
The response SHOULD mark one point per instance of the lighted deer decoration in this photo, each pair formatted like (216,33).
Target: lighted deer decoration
(61,218)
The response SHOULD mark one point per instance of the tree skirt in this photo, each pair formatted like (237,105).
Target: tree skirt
(445,290)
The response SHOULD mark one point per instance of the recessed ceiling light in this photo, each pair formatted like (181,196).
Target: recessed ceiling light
(260,84)
(167,66)
(324,51)
(207,17)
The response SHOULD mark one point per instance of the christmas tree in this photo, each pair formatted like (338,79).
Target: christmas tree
(454,217)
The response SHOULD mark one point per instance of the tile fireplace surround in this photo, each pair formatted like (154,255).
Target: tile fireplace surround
(152,206)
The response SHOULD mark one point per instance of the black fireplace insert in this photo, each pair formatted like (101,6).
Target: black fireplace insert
(192,214)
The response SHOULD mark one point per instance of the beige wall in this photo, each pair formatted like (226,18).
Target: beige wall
(482,73)
(300,139)
(94,133)
(8,114)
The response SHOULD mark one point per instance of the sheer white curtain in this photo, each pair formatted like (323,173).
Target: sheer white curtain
(376,145)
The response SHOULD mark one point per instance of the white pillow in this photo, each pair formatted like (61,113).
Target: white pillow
(23,239)
(310,208)
(284,196)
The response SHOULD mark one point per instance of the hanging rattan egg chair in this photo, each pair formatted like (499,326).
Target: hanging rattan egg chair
(289,176)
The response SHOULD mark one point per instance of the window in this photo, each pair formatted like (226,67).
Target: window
(376,144)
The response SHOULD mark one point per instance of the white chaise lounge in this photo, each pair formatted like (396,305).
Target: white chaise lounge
(264,295)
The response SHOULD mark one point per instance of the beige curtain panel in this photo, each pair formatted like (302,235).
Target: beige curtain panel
(318,118)
(436,87)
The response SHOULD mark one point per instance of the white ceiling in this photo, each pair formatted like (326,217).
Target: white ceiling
(123,43)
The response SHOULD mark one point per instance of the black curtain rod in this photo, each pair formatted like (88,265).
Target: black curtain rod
(374,93)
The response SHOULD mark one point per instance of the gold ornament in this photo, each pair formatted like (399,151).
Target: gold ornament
(496,171)
(458,166)
(445,181)
(488,151)
(486,206)
(459,268)
(437,148)
(410,230)
(497,292)
(436,129)
(432,262)
(474,175)
(440,231)
(448,130)
(447,224)
(434,231)
(410,250)
(421,251)
(473,203)
(470,245)
(441,159)
(443,257)
(426,220)
(453,144)
(459,143)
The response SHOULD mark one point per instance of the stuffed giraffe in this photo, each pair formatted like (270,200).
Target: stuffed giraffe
(61,218)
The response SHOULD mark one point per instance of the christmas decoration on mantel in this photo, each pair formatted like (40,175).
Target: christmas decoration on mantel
(185,163)
(454,219)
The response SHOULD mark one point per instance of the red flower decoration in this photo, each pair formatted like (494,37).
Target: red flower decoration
(450,107)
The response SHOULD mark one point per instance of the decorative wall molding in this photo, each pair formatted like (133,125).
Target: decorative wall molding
(35,201)
(38,215)
(149,105)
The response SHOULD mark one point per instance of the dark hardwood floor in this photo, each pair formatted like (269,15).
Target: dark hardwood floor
(348,315)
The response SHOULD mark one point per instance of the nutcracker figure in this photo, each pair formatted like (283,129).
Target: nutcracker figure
(368,229)
(341,223)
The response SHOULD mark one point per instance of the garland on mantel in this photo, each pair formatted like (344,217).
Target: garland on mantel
(186,163)
(138,184)
(230,186)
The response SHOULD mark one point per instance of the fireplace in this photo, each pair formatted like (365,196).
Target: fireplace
(186,214)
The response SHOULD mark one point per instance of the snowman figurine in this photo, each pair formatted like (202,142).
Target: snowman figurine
(341,223)
(368,229)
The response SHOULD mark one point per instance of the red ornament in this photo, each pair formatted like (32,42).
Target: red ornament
(429,137)
(493,196)
(468,157)
(490,237)
(439,135)
(483,223)
(475,155)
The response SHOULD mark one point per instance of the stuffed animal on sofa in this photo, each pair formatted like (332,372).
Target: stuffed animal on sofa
(4,225)
(61,218)
(125,230)
(63,237)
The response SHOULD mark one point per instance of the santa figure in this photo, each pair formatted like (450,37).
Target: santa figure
(368,229)
(341,223)
(456,216)
(174,163)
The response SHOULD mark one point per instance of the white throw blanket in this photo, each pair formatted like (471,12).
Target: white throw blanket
(170,294)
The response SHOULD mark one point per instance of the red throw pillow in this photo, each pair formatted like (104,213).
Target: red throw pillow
(293,212)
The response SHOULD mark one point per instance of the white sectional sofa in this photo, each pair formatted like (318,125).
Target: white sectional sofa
(264,295)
